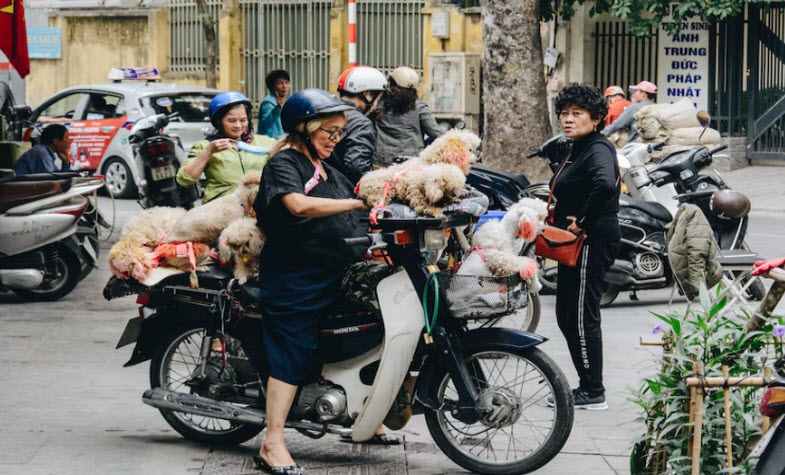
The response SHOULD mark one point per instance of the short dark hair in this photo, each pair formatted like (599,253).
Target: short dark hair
(583,96)
(53,132)
(651,96)
(273,77)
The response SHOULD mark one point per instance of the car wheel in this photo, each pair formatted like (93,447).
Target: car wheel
(119,179)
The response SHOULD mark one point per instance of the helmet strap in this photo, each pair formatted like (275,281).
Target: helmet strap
(308,143)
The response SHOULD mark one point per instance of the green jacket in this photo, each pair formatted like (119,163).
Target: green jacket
(692,251)
(225,169)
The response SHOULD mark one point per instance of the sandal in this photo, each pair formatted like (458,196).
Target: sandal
(377,439)
(261,464)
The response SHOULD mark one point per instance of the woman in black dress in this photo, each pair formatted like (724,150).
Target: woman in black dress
(586,188)
(305,208)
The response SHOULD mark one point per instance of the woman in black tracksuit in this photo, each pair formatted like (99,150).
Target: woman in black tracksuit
(586,189)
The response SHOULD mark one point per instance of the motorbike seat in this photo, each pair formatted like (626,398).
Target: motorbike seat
(25,189)
(652,208)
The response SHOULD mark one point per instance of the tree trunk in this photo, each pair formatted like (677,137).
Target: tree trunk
(208,26)
(514,97)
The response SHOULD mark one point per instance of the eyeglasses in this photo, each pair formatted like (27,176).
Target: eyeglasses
(334,134)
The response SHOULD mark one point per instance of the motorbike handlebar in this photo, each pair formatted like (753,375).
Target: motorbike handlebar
(534,153)
(718,149)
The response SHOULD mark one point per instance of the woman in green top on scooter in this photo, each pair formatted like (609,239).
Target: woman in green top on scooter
(228,154)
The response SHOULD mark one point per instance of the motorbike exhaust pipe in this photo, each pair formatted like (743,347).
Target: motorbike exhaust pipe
(192,404)
(21,278)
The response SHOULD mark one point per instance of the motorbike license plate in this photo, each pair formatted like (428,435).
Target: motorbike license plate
(162,173)
(764,441)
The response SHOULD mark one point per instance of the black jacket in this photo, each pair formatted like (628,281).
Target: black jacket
(587,186)
(353,156)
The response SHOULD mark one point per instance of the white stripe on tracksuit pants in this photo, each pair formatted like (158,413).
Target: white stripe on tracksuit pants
(579,290)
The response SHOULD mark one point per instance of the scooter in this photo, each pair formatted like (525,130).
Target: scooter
(479,389)
(675,180)
(42,256)
(158,155)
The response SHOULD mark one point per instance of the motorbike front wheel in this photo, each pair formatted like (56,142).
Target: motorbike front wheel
(531,418)
(175,364)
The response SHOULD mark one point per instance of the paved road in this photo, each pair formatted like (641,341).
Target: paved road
(68,406)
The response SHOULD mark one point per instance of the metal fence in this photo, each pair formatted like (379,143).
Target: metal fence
(188,48)
(389,33)
(622,58)
(290,35)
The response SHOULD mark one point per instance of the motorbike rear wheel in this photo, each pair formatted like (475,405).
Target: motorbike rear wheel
(174,364)
(62,275)
(527,391)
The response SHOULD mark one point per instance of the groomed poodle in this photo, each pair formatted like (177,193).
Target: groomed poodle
(205,223)
(496,245)
(241,243)
(434,179)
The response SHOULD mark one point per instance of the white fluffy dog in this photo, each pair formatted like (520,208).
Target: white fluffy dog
(241,243)
(496,244)
(427,183)
(205,223)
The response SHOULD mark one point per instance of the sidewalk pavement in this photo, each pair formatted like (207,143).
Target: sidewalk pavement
(764,185)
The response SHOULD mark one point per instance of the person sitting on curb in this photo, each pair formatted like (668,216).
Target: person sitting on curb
(51,155)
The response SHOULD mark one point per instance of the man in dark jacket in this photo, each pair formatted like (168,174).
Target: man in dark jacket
(361,87)
(51,155)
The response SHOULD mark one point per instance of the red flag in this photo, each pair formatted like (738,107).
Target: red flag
(13,35)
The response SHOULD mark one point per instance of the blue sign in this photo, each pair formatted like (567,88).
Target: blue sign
(44,42)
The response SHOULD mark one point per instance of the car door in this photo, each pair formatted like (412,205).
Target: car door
(64,108)
(103,115)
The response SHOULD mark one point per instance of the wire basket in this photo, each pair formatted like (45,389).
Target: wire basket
(473,297)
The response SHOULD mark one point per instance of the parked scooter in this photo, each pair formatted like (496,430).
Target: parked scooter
(158,155)
(42,255)
(480,389)
(676,179)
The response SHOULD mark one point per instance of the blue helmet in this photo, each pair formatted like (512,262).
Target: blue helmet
(309,104)
(222,102)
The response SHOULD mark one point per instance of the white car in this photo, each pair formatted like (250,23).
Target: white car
(99,119)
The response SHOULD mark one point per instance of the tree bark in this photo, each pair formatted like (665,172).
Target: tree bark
(514,96)
(208,26)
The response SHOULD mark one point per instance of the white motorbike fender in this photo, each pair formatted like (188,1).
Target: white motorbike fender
(403,323)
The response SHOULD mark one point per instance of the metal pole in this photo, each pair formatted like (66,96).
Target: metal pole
(352,30)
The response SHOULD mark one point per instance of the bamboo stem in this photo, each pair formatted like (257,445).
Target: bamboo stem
(697,431)
(643,342)
(728,430)
(721,381)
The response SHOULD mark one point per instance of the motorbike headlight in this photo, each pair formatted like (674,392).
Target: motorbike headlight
(434,243)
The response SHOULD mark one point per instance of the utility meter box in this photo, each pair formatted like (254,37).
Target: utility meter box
(454,93)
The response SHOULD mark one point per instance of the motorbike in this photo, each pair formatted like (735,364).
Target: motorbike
(158,156)
(676,180)
(43,252)
(475,386)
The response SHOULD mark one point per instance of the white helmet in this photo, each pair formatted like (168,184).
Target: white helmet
(405,77)
(359,79)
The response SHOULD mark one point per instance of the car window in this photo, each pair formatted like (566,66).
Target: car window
(192,107)
(63,109)
(103,106)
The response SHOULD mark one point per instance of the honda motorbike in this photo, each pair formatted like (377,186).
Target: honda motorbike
(481,390)
(43,253)
(158,155)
